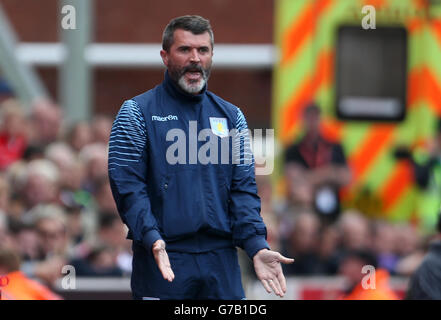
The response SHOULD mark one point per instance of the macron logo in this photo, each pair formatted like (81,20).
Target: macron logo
(166,118)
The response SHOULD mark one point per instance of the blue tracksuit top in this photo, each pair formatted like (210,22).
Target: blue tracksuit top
(193,206)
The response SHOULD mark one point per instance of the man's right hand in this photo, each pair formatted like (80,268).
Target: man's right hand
(161,258)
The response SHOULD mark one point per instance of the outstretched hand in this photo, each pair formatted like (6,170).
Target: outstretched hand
(269,271)
(161,258)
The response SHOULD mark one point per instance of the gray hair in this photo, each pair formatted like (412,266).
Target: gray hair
(45,211)
(194,24)
(44,168)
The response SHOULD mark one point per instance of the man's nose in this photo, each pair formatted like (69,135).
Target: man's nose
(194,57)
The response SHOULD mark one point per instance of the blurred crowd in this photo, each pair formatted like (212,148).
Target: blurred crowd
(345,245)
(56,205)
(320,247)
(324,238)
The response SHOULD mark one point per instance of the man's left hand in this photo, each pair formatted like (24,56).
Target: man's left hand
(269,271)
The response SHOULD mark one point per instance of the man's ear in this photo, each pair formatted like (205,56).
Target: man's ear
(164,56)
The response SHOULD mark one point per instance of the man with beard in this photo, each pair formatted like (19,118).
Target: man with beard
(186,217)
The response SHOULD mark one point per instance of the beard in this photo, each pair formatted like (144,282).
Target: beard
(189,85)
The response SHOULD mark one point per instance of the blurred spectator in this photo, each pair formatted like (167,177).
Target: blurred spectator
(33,152)
(351,268)
(19,286)
(328,250)
(15,179)
(354,230)
(94,158)
(408,264)
(384,236)
(112,232)
(49,221)
(315,168)
(301,244)
(51,224)
(268,215)
(5,237)
(101,127)
(77,201)
(76,228)
(4,195)
(100,262)
(407,239)
(425,283)
(13,139)
(79,136)
(71,173)
(103,196)
(46,120)
(410,247)
(25,240)
(40,183)
(108,255)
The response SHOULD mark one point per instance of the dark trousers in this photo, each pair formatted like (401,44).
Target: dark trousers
(209,275)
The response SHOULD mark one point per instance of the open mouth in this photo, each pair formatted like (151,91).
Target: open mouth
(193,75)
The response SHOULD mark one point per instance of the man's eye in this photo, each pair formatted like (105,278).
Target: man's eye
(203,50)
(184,49)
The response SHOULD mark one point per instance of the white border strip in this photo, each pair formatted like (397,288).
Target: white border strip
(253,56)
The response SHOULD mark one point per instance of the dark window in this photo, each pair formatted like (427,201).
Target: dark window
(371,73)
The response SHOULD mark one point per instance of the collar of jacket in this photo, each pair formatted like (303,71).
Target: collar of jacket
(174,90)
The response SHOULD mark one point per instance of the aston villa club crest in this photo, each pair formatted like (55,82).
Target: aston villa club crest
(219,126)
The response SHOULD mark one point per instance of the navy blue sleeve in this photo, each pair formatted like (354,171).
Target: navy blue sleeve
(128,174)
(249,231)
